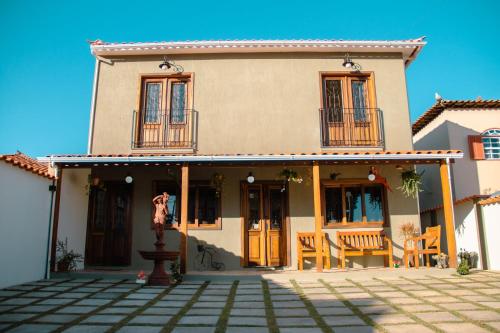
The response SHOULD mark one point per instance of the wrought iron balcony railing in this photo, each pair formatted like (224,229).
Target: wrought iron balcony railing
(157,129)
(343,127)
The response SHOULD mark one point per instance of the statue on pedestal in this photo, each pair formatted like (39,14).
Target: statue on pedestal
(161,212)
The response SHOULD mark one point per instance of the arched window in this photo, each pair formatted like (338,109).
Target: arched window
(491,143)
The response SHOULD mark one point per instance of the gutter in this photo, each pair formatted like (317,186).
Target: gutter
(238,158)
(93,104)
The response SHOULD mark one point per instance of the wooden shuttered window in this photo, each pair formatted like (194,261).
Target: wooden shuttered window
(476,147)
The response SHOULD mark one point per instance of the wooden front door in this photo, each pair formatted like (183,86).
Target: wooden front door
(264,215)
(109,226)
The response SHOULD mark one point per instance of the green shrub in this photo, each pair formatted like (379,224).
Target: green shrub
(463,267)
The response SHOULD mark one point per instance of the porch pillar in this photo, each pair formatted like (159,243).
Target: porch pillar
(55,220)
(184,217)
(449,219)
(317,218)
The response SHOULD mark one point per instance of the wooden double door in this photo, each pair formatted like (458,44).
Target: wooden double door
(265,216)
(109,226)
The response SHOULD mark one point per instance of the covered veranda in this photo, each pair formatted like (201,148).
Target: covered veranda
(315,162)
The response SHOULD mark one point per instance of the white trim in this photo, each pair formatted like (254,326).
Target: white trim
(92,105)
(245,158)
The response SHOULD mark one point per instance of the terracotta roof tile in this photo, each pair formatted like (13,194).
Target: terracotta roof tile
(457,202)
(27,163)
(490,200)
(440,106)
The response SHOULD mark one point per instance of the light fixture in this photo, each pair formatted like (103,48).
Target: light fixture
(129,179)
(347,61)
(250,178)
(167,64)
(371,174)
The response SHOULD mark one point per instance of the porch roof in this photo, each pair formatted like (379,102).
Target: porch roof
(409,157)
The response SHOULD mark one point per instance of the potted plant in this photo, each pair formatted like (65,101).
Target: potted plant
(465,259)
(411,183)
(66,260)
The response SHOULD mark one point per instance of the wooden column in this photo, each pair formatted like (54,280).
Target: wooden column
(184,217)
(449,220)
(55,221)
(317,218)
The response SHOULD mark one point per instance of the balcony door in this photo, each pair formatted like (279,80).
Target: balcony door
(349,116)
(164,118)
(265,224)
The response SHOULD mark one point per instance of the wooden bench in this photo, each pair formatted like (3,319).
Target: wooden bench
(306,248)
(428,243)
(363,243)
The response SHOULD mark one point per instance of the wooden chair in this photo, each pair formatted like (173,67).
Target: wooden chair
(306,248)
(428,243)
(363,243)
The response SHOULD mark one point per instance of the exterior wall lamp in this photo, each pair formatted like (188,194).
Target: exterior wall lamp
(348,63)
(250,178)
(129,179)
(167,64)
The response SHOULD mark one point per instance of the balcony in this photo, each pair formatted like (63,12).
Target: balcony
(359,127)
(165,129)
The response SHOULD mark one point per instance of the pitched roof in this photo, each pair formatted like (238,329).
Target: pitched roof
(490,201)
(456,202)
(27,163)
(409,47)
(370,155)
(441,105)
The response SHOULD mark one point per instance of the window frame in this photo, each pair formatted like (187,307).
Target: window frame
(218,220)
(362,184)
(489,150)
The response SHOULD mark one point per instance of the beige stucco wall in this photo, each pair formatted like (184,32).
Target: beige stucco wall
(73,209)
(450,130)
(24,225)
(228,240)
(250,103)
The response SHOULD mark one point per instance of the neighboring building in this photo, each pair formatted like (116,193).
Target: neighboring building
(473,127)
(25,208)
(235,109)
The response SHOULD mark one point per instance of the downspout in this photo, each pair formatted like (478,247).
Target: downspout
(52,189)
(93,104)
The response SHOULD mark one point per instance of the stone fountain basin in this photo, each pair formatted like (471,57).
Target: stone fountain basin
(160,255)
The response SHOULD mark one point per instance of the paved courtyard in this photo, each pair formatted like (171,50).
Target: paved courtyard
(409,303)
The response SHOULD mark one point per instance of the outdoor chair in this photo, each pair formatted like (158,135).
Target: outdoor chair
(428,243)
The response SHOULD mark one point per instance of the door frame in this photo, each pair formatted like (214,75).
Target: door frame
(286,249)
(88,241)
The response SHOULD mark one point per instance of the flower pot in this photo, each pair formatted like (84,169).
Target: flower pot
(63,266)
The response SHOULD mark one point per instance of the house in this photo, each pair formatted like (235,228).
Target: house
(27,200)
(222,126)
(472,126)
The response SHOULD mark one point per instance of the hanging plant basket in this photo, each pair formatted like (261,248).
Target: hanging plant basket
(290,175)
(411,183)
(217,181)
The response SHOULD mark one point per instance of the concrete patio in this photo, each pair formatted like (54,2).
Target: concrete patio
(363,301)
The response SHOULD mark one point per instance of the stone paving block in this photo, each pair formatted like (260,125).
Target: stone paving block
(290,304)
(169,297)
(300,330)
(180,329)
(104,319)
(343,321)
(199,320)
(93,302)
(405,300)
(247,330)
(464,292)
(408,328)
(56,301)
(141,296)
(479,298)
(334,311)
(149,290)
(461,306)
(171,304)
(316,291)
(183,292)
(377,309)
(35,308)
(242,285)
(249,312)
(86,290)
(494,305)
(212,298)
(245,298)
(142,329)
(367,301)
(21,287)
(118,310)
(5,308)
(150,320)
(19,301)
(495,325)
(285,297)
(489,291)
(356,329)
(57,318)
(482,315)
(216,292)
(292,312)
(380,288)
(15,317)
(72,295)
(248,291)
(352,296)
(39,294)
(249,305)
(118,290)
(391,319)
(391,294)
(247,321)
(419,307)
(437,316)
(34,328)
(209,304)
(426,293)
(131,302)
(105,295)
(76,309)
(204,312)
(323,303)
(321,296)
(295,322)
(54,288)
(460,327)
(9,293)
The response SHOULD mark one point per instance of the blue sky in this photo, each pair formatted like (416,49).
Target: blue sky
(46,68)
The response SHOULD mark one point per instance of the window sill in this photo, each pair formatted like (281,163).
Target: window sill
(352,225)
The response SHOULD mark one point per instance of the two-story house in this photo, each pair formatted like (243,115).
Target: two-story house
(222,126)
(472,126)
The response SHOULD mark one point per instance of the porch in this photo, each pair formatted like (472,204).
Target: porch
(236,219)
